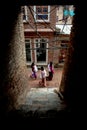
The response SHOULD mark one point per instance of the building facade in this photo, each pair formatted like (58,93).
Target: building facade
(42,43)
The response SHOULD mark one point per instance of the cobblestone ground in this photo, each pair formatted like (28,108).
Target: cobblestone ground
(34,83)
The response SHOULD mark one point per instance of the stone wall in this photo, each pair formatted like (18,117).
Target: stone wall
(13,72)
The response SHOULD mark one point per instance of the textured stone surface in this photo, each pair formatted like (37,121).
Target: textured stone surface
(42,103)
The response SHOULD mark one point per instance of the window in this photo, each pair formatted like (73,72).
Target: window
(39,10)
(45,9)
(25,13)
(41,51)
(41,13)
(28,51)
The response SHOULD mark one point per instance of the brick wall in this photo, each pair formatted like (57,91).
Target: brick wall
(31,23)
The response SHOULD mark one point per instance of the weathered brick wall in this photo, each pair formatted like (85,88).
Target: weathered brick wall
(53,54)
(41,25)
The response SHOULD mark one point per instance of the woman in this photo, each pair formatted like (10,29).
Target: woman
(51,71)
(43,77)
(34,71)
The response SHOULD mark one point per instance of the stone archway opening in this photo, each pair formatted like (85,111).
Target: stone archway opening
(13,67)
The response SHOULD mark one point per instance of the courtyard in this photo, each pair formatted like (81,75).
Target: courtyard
(34,83)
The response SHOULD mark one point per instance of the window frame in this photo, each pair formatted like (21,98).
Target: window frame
(40,20)
(25,14)
(28,62)
(41,63)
